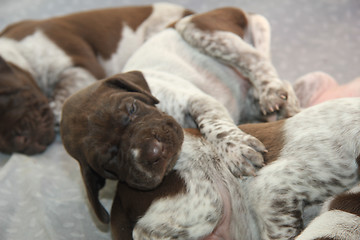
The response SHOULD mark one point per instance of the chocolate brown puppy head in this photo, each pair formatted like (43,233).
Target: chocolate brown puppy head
(26,120)
(115,131)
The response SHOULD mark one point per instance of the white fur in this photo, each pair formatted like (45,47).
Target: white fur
(194,88)
(333,224)
(198,78)
(252,61)
(307,159)
(162,15)
(129,42)
(260,33)
(166,66)
(50,65)
(38,55)
(317,161)
(210,188)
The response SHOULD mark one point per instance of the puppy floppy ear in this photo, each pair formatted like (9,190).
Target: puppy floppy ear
(94,183)
(133,81)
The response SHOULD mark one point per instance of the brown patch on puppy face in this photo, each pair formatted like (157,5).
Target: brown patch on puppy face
(115,131)
(27,122)
(270,134)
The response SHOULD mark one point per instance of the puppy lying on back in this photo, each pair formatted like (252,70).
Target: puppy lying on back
(44,61)
(96,110)
(210,76)
(312,156)
(102,125)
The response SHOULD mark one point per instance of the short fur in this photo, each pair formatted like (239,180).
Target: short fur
(314,158)
(53,58)
(123,137)
(180,73)
(27,122)
(340,219)
(207,70)
(183,100)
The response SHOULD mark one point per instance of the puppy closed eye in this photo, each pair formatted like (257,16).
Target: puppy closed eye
(128,112)
(132,108)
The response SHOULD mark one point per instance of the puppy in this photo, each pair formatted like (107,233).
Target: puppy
(181,98)
(115,131)
(54,58)
(340,219)
(311,156)
(207,70)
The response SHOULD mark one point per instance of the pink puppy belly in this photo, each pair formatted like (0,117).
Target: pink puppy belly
(222,230)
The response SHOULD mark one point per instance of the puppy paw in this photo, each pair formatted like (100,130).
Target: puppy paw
(279,97)
(242,153)
(273,97)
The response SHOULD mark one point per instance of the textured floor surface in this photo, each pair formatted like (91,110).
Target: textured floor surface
(307,35)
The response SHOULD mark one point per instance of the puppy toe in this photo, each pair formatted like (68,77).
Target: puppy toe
(254,157)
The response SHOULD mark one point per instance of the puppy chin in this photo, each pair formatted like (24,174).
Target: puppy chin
(150,184)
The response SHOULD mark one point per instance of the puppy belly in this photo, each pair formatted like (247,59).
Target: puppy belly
(188,64)
(222,230)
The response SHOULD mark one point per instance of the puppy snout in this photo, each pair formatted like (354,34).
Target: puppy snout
(155,151)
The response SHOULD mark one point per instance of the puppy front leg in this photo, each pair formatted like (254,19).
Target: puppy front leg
(239,150)
(71,80)
(225,42)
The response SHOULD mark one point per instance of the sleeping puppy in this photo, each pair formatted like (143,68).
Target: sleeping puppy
(339,220)
(311,156)
(27,122)
(53,58)
(209,76)
(182,99)
(115,131)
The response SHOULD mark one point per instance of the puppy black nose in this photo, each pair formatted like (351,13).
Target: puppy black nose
(155,151)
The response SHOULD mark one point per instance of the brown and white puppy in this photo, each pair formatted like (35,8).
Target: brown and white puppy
(210,76)
(53,58)
(177,73)
(312,156)
(115,131)
(179,81)
(339,220)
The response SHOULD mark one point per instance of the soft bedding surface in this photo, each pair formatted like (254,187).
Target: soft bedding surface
(42,197)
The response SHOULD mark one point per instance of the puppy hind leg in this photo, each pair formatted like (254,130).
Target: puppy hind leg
(259,31)
(222,38)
